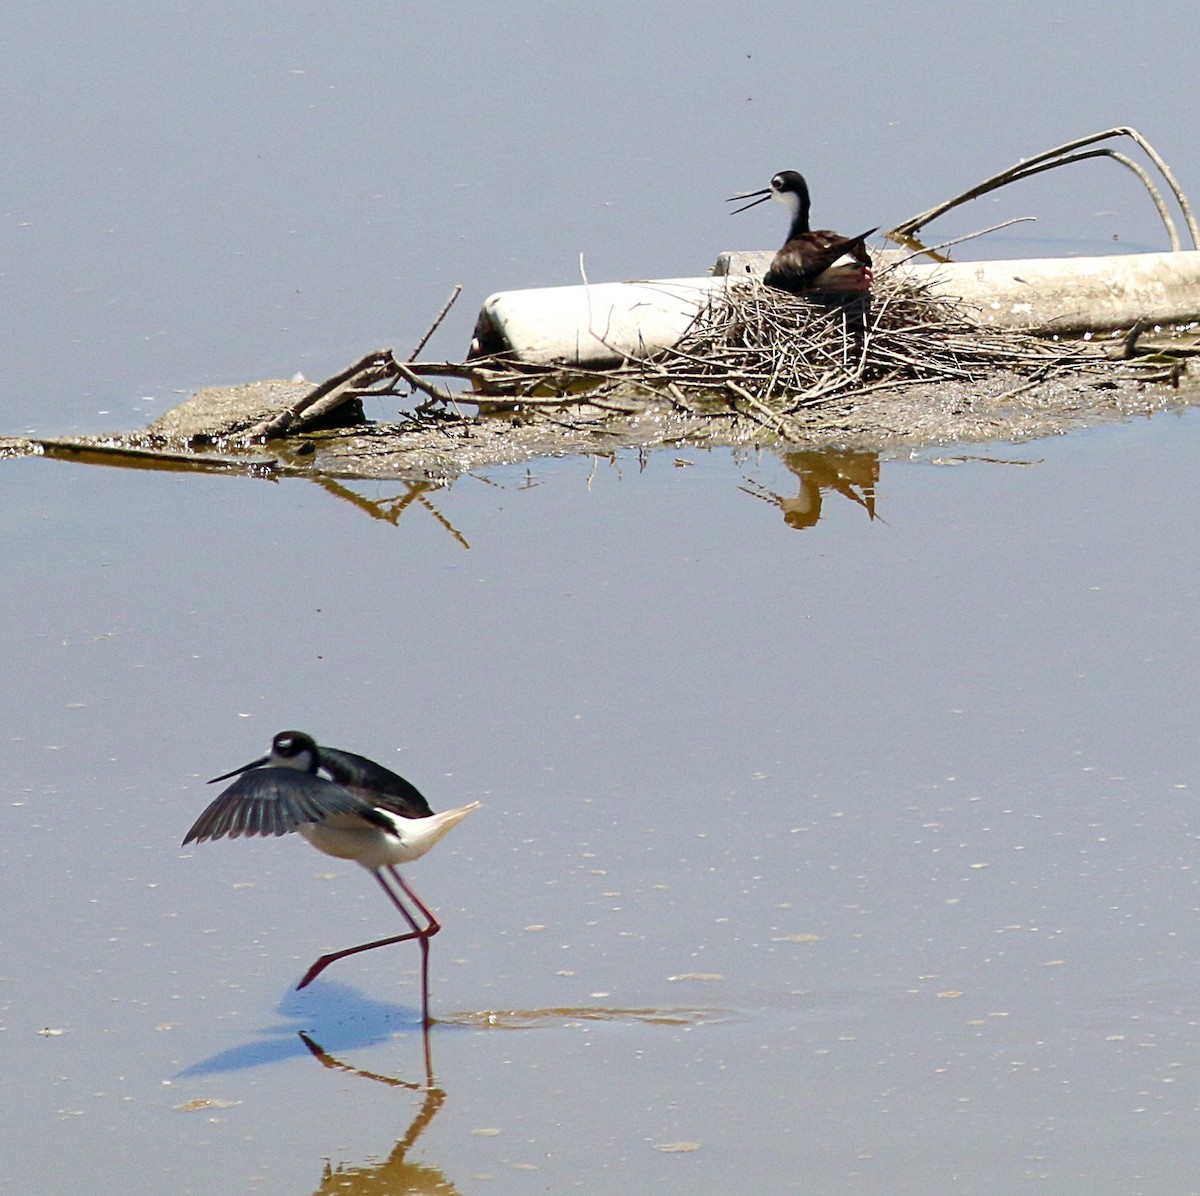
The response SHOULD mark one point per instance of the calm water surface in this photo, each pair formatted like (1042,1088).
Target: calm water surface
(856,855)
(839,816)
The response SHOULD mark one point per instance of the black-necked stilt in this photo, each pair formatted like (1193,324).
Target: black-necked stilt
(346,806)
(811,260)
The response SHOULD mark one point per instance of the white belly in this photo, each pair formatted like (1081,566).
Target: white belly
(349,837)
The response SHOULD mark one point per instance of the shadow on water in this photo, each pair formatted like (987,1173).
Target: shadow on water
(335,1014)
(395,1173)
(342,1019)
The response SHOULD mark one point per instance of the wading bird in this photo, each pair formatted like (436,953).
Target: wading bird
(346,806)
(811,260)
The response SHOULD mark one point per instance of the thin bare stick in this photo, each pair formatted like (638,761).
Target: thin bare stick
(437,321)
(934,250)
(1163,169)
(326,397)
(1062,155)
(440,393)
(1129,164)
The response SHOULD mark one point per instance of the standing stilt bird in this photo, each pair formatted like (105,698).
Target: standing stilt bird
(811,259)
(346,806)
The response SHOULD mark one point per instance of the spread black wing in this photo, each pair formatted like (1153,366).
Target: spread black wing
(274,801)
(387,788)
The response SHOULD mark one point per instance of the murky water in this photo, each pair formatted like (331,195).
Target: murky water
(838,815)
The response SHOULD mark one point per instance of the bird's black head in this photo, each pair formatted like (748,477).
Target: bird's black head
(292,743)
(289,749)
(789,187)
(789,182)
(294,748)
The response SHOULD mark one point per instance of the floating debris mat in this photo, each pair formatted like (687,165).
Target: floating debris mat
(923,358)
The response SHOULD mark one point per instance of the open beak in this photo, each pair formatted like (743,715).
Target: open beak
(244,768)
(763,196)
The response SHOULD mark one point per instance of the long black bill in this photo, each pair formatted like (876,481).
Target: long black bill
(763,196)
(244,768)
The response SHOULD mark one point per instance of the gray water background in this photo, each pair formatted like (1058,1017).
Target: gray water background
(856,858)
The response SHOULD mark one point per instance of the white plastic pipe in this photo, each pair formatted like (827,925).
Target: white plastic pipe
(601,324)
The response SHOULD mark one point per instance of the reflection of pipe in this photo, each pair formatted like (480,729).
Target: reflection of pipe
(604,324)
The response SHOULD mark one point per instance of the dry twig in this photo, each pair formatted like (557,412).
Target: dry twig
(760,354)
(1063,155)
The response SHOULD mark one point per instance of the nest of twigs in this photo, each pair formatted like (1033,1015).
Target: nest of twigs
(793,352)
(758,353)
(756,349)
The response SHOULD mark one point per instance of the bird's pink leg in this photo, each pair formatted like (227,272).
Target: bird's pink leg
(434,925)
(416,933)
(428,933)
(334,956)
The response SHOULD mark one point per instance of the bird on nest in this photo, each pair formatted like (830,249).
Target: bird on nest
(816,262)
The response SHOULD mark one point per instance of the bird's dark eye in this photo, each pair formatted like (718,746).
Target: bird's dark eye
(285,745)
(777,183)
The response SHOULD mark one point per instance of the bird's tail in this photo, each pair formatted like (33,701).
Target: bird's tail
(425,832)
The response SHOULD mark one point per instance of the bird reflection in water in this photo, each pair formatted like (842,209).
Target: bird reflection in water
(850,474)
(395,1173)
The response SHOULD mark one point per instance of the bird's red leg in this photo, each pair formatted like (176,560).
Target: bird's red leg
(415,933)
(434,925)
(425,935)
